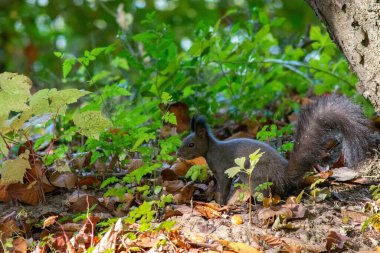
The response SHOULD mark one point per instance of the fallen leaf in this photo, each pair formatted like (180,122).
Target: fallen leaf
(268,215)
(134,164)
(185,194)
(358,217)
(180,168)
(49,221)
(88,181)
(64,180)
(169,174)
(85,202)
(173,186)
(344,174)
(335,239)
(26,193)
(267,202)
(237,219)
(19,245)
(298,210)
(238,247)
(239,196)
(208,210)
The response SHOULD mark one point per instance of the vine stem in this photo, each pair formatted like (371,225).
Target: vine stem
(250,199)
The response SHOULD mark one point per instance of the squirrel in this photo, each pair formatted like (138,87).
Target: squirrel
(329,119)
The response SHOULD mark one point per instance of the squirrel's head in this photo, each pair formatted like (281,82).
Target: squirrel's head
(196,143)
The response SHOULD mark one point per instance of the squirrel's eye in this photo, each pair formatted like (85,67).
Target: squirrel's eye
(191,144)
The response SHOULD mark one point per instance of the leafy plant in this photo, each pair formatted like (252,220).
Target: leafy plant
(253,160)
(198,173)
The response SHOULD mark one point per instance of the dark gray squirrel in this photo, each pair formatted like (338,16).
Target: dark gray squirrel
(329,119)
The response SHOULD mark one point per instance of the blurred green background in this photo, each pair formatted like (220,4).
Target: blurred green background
(32,30)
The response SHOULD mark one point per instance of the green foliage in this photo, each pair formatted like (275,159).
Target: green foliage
(91,123)
(198,173)
(269,133)
(375,191)
(254,158)
(145,214)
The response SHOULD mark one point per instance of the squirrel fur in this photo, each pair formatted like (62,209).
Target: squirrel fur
(329,119)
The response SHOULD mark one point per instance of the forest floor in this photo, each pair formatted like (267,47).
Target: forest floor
(332,223)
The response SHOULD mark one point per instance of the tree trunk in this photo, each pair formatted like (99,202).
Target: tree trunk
(354,25)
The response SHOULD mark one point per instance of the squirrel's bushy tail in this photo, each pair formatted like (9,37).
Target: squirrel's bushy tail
(331,124)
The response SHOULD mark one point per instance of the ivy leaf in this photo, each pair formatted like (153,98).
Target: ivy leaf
(14,92)
(231,172)
(13,170)
(67,66)
(91,123)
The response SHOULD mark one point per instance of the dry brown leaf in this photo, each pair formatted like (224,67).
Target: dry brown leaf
(358,217)
(19,245)
(240,195)
(181,112)
(180,168)
(64,180)
(291,200)
(237,219)
(85,202)
(326,174)
(335,239)
(185,194)
(49,221)
(173,186)
(71,227)
(169,174)
(208,210)
(25,193)
(268,215)
(271,240)
(134,164)
(88,181)
(298,210)
(267,202)
(238,247)
(7,228)
(178,240)
(170,212)
(198,161)
(4,194)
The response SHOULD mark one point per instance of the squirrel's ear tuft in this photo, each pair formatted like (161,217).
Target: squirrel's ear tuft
(192,123)
(200,126)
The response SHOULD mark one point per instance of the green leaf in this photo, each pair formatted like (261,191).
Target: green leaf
(231,172)
(166,98)
(145,37)
(14,92)
(58,54)
(120,63)
(13,170)
(169,117)
(91,123)
(240,162)
(67,66)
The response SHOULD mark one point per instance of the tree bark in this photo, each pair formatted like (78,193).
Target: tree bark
(354,25)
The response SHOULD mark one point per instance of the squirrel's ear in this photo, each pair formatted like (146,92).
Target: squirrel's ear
(200,126)
(192,123)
